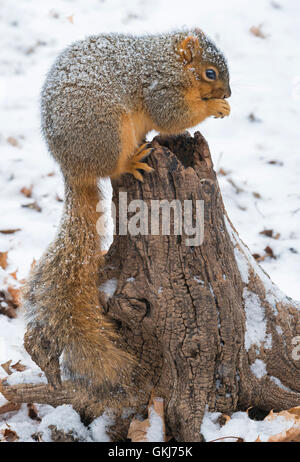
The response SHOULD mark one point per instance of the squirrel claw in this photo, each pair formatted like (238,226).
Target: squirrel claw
(140,166)
(138,176)
(134,163)
(142,153)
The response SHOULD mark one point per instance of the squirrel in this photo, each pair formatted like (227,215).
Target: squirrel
(100,98)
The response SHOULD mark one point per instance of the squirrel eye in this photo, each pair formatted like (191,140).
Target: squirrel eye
(211,74)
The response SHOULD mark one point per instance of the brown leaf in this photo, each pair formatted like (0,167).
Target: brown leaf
(270,233)
(6,367)
(13,141)
(32,412)
(7,307)
(9,231)
(14,275)
(258,257)
(19,367)
(15,295)
(257,31)
(71,18)
(9,311)
(138,429)
(223,419)
(269,252)
(27,191)
(276,162)
(33,206)
(293,434)
(9,407)
(3,260)
(9,435)
(267,232)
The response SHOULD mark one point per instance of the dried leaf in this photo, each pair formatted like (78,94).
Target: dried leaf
(276,162)
(270,233)
(33,206)
(13,141)
(8,311)
(6,367)
(138,429)
(19,367)
(222,172)
(3,260)
(32,412)
(15,295)
(257,31)
(27,191)
(258,257)
(293,434)
(71,18)
(223,419)
(9,231)
(9,435)
(269,252)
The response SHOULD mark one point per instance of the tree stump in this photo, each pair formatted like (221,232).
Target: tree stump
(205,321)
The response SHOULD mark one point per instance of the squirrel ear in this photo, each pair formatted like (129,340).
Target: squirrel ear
(188,48)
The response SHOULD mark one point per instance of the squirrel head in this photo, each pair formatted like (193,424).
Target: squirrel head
(206,66)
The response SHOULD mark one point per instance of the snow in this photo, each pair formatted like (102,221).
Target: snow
(109,287)
(242,265)
(240,425)
(258,368)
(260,158)
(255,320)
(155,431)
(279,384)
(98,428)
(64,418)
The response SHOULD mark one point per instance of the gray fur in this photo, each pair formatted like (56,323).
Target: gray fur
(94,81)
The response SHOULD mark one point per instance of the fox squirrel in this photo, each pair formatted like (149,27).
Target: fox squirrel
(101,97)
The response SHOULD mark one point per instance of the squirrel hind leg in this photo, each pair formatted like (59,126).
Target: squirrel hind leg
(131,151)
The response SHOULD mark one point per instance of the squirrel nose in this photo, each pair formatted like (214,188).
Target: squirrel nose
(227,93)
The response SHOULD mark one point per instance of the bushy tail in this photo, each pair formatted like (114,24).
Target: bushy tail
(62,296)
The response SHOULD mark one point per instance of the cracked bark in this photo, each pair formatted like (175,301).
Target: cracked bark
(205,322)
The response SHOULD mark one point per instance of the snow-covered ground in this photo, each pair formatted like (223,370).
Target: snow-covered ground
(256,150)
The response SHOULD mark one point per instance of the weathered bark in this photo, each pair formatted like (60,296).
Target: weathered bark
(205,321)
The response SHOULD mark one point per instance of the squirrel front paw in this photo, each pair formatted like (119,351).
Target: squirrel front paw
(218,108)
